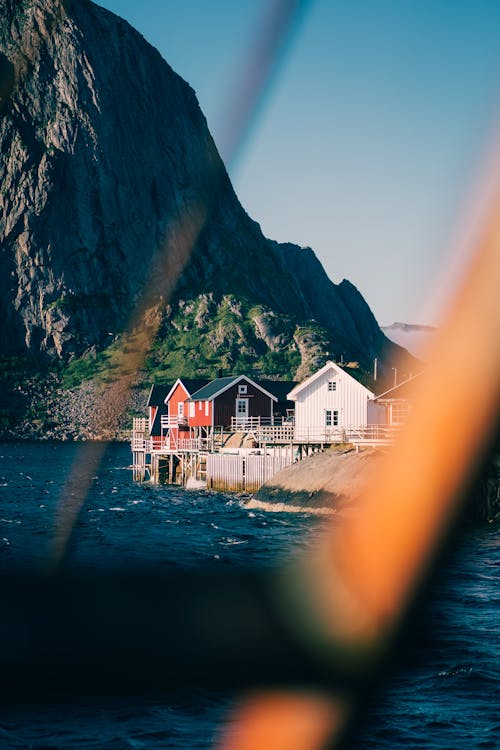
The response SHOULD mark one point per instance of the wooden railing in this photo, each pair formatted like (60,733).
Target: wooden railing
(249,424)
(140,444)
(159,444)
(286,432)
(167,421)
(282,433)
(375,433)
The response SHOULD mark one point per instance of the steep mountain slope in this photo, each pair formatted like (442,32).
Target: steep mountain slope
(108,178)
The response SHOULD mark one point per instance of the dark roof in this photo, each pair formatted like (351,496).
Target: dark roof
(278,388)
(213,387)
(156,426)
(219,384)
(194,384)
(158,394)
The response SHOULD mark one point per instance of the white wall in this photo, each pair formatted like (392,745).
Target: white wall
(350,399)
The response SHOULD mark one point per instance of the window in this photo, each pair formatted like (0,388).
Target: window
(242,389)
(207,408)
(331,418)
(191,409)
(332,385)
(399,412)
(180,409)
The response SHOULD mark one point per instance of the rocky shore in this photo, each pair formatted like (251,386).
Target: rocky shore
(334,481)
(41,409)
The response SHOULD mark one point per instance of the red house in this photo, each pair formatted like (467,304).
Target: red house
(168,423)
(235,402)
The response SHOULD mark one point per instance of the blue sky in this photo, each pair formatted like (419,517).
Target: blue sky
(375,128)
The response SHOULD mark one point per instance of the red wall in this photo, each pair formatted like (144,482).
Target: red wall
(200,418)
(179,395)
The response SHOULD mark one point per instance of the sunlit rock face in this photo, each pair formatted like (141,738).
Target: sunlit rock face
(109,176)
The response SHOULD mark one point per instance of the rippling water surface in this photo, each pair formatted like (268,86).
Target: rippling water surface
(445,694)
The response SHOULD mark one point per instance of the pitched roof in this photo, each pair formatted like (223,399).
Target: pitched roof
(329,365)
(219,385)
(156,426)
(278,388)
(402,390)
(158,394)
(191,385)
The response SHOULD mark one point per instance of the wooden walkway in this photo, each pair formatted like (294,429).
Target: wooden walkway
(173,460)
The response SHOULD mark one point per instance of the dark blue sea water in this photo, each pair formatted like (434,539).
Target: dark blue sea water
(445,693)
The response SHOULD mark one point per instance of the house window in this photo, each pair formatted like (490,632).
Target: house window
(200,406)
(180,408)
(331,418)
(207,408)
(242,390)
(191,409)
(399,412)
(332,385)
(241,406)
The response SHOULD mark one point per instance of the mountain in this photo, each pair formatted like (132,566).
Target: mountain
(115,206)
(415,338)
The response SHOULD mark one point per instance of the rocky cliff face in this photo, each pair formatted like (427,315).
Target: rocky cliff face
(108,178)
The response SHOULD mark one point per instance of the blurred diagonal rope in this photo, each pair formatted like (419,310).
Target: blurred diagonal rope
(255,74)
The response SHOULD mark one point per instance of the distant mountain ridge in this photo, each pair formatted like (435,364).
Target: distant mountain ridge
(108,175)
(413,337)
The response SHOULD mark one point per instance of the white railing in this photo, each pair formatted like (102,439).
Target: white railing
(188,444)
(249,424)
(320,434)
(140,444)
(283,433)
(167,421)
(374,433)
(140,424)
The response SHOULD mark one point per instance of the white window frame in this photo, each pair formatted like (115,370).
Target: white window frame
(242,390)
(191,409)
(328,417)
(207,408)
(332,385)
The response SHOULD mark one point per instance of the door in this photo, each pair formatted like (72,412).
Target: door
(241,412)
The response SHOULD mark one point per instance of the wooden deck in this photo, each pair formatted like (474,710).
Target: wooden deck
(170,458)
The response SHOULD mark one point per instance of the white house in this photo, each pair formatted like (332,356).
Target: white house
(330,403)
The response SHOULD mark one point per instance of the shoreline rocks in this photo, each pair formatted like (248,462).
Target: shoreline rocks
(334,481)
(331,481)
(47,411)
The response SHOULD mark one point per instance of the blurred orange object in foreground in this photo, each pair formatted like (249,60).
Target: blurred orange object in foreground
(298,721)
(347,600)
